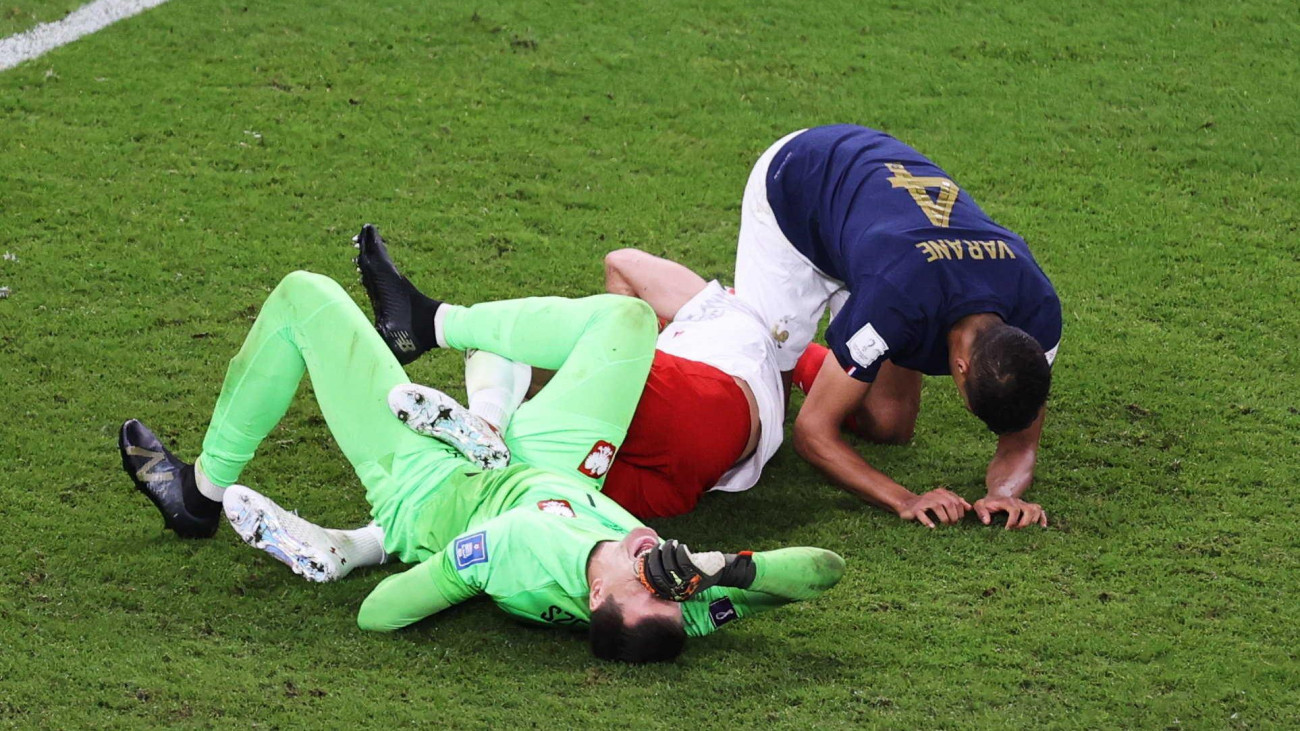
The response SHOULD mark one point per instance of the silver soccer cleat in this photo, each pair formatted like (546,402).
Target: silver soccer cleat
(433,413)
(301,545)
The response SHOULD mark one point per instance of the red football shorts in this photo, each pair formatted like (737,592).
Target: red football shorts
(690,427)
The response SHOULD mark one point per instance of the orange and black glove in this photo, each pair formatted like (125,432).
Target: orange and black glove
(672,572)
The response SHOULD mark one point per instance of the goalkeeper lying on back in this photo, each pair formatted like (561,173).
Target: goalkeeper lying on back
(537,536)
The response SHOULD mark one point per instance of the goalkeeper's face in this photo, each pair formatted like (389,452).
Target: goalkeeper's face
(612,576)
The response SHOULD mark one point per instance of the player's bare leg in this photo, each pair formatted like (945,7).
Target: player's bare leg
(665,285)
(888,413)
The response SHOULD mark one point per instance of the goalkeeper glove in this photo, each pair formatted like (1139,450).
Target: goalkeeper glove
(670,571)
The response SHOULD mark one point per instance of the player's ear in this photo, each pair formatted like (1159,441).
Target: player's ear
(596,593)
(960,372)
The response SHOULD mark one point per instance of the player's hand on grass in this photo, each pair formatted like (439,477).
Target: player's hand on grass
(945,505)
(1020,514)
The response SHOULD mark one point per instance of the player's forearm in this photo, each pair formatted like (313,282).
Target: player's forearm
(1010,473)
(828,452)
(782,576)
(796,574)
(388,608)
(408,597)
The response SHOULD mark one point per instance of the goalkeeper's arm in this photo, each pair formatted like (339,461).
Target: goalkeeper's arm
(795,574)
(414,594)
(672,571)
(780,577)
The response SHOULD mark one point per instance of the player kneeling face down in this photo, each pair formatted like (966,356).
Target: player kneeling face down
(536,536)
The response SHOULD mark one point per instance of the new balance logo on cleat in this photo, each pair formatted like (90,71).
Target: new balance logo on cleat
(145,473)
(403,315)
(403,342)
(167,481)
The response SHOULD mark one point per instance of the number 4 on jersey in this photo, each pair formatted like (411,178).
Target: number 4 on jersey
(939,209)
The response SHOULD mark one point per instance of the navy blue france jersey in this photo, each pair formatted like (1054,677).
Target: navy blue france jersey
(914,250)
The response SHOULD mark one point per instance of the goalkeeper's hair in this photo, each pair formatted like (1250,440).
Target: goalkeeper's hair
(1009,378)
(657,639)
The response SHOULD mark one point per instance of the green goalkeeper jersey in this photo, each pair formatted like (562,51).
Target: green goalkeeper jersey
(525,544)
(522,534)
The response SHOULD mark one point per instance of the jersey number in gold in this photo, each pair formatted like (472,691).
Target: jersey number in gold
(937,209)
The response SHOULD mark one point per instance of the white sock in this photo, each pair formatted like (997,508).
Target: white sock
(359,547)
(439,315)
(207,488)
(496,386)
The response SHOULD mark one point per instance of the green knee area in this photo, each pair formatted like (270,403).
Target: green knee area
(632,318)
(302,286)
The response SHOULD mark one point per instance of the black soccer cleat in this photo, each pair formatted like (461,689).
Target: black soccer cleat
(403,315)
(168,482)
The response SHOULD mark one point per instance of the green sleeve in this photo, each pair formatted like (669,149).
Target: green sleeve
(782,576)
(796,574)
(414,594)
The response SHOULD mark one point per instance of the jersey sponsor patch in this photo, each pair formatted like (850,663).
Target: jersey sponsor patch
(866,346)
(598,460)
(722,611)
(561,508)
(561,616)
(470,550)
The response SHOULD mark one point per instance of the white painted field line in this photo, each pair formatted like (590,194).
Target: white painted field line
(81,22)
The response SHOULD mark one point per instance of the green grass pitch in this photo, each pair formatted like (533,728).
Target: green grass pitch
(159,177)
(19,18)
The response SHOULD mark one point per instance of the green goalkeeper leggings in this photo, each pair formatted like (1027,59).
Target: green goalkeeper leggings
(601,348)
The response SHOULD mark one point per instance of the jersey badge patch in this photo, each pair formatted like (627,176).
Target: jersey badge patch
(470,550)
(781,332)
(866,346)
(598,460)
(722,611)
(561,508)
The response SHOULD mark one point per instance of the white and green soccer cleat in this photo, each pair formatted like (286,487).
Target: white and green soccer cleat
(433,413)
(301,545)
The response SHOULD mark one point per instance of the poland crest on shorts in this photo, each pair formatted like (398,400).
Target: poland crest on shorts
(598,460)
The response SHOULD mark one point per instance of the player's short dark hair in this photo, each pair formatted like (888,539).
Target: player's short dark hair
(1008,379)
(657,639)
